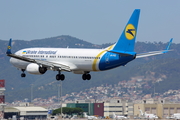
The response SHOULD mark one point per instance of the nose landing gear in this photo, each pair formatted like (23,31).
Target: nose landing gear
(23,74)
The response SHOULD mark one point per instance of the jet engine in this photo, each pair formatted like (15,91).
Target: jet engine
(34,68)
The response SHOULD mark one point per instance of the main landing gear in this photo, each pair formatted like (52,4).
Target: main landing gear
(60,76)
(23,74)
(86,76)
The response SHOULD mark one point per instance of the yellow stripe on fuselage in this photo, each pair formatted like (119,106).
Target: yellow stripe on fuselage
(95,60)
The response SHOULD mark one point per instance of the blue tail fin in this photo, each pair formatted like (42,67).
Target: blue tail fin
(9,47)
(127,39)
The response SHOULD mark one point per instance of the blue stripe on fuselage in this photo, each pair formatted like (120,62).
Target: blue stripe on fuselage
(111,60)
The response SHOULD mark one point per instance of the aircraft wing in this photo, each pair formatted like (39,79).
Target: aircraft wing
(48,64)
(53,65)
(155,52)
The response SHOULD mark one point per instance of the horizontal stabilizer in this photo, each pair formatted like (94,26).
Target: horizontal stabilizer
(123,53)
(152,53)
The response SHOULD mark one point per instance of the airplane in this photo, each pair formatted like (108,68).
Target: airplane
(81,61)
(89,117)
(147,116)
(74,117)
(174,116)
(118,117)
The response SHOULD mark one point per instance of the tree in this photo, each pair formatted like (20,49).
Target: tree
(78,111)
(67,110)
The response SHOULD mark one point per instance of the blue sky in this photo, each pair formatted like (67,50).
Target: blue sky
(95,21)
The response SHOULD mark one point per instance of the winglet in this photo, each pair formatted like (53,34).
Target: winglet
(9,47)
(168,46)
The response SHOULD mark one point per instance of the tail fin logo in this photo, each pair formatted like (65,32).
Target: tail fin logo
(9,47)
(130,32)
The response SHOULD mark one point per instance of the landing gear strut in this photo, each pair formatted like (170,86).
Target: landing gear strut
(60,76)
(23,74)
(86,76)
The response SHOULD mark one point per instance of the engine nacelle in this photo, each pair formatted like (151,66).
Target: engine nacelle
(34,68)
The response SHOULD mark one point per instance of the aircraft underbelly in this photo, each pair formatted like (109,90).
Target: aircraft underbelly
(84,65)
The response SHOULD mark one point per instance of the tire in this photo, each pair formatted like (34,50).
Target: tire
(23,75)
(58,77)
(62,77)
(84,76)
(88,76)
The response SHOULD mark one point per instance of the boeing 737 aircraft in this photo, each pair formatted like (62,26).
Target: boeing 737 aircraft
(81,61)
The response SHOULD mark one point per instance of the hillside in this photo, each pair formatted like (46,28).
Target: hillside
(44,86)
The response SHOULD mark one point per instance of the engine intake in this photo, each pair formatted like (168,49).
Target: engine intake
(34,68)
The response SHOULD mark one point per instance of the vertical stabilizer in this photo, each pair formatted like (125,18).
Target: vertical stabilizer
(140,111)
(9,47)
(127,39)
(85,115)
(114,115)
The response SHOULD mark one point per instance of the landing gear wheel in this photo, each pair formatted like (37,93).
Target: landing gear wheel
(86,76)
(60,77)
(23,75)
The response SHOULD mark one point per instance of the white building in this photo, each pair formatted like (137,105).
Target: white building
(26,112)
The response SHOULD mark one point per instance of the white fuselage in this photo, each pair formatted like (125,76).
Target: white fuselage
(76,59)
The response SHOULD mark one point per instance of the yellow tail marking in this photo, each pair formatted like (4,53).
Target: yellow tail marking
(95,60)
(9,47)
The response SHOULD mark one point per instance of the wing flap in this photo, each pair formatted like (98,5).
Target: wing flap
(53,65)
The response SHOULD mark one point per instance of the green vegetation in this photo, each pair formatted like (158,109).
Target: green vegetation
(67,110)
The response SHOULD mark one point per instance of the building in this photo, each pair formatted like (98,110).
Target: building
(99,109)
(119,107)
(2,98)
(105,108)
(86,107)
(160,108)
(26,112)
